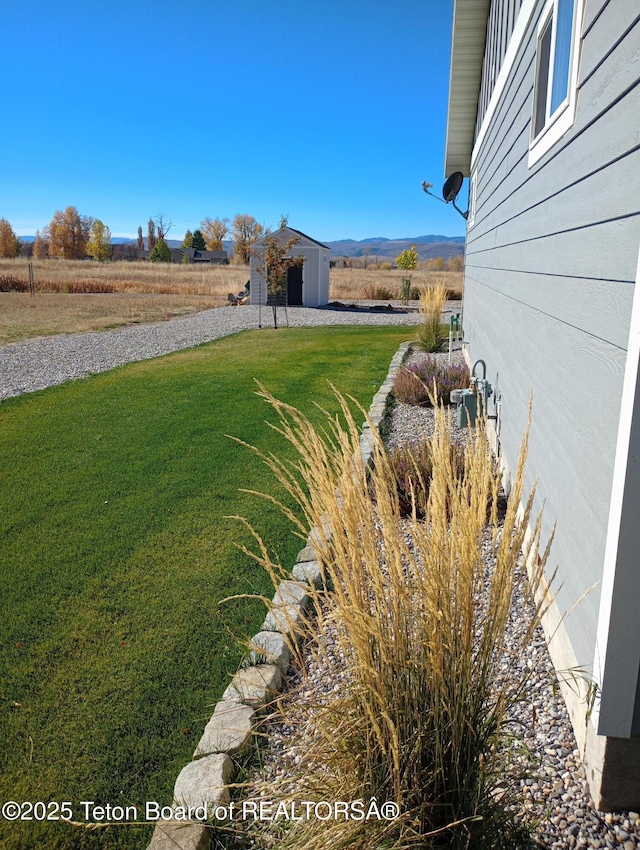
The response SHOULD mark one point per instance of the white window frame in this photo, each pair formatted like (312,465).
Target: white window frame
(563,118)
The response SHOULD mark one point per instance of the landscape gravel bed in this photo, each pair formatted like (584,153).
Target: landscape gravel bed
(554,794)
(42,362)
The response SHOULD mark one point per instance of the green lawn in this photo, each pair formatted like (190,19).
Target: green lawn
(115,552)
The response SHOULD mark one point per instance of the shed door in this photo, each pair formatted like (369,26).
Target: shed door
(294,286)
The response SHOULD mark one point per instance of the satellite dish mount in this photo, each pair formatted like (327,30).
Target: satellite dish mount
(450,191)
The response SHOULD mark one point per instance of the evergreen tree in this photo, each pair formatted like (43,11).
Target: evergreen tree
(160,253)
(198,241)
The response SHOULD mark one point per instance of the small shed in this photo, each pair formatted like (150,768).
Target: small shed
(308,284)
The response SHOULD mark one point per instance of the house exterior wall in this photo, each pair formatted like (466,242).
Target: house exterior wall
(551,261)
(500,26)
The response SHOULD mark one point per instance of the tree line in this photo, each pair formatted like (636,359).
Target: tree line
(72,236)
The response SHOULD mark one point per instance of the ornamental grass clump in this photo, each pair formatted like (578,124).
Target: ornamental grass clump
(431,334)
(416,384)
(411,636)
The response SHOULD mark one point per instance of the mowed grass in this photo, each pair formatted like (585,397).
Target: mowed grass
(116,552)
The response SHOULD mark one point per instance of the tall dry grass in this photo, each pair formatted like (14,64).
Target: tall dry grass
(415,710)
(122,277)
(431,333)
(362,283)
(177,279)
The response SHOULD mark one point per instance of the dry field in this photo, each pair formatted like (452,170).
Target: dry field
(72,297)
(24,317)
(371,282)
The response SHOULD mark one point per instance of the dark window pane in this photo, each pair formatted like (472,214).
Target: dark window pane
(542,79)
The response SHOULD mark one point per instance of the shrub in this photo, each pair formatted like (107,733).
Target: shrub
(415,384)
(412,467)
(378,293)
(417,713)
(11,283)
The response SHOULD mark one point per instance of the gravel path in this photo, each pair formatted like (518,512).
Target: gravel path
(45,361)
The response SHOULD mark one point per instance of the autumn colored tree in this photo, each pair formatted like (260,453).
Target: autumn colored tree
(198,241)
(99,245)
(40,247)
(187,242)
(160,252)
(151,235)
(407,259)
(274,262)
(245,231)
(69,234)
(214,232)
(9,242)
(140,240)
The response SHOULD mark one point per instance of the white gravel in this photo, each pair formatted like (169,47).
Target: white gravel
(45,361)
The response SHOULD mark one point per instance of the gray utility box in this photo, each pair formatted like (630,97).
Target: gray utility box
(467,400)
(467,409)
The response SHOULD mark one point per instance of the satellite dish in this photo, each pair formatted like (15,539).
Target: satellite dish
(452,187)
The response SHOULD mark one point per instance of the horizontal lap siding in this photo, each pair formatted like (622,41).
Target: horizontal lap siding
(550,266)
(500,24)
(532,355)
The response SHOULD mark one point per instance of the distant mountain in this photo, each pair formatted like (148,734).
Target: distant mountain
(386,250)
(428,247)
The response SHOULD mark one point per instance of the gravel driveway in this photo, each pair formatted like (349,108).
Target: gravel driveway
(45,361)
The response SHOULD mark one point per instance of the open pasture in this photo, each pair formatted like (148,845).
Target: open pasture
(73,297)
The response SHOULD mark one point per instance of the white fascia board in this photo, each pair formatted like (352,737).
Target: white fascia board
(467,52)
(515,43)
(617,654)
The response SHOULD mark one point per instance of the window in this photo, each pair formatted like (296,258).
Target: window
(556,78)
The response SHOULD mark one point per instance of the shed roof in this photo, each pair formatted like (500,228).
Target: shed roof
(293,232)
(467,53)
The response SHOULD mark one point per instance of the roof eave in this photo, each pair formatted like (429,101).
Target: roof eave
(467,52)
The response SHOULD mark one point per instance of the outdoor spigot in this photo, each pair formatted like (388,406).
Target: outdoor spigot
(481,385)
(484,370)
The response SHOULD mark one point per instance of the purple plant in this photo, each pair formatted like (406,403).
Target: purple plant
(414,383)
(412,466)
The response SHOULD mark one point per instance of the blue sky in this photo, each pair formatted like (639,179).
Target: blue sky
(330,112)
